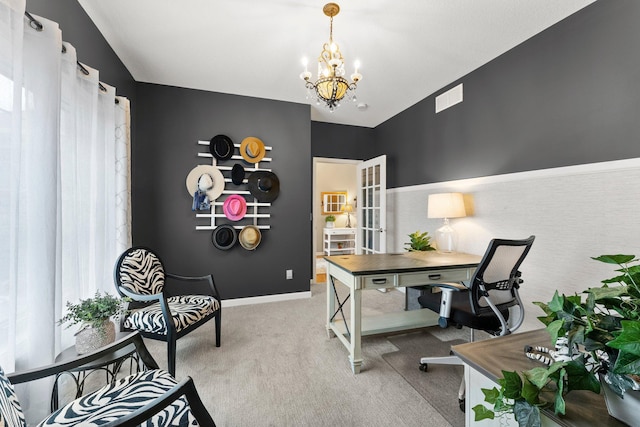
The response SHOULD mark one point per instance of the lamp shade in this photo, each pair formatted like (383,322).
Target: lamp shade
(445,205)
(347,208)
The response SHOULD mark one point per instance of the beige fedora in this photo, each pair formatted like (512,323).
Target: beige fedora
(250,237)
(214,173)
(252,149)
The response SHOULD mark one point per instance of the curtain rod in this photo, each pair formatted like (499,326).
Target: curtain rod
(37,25)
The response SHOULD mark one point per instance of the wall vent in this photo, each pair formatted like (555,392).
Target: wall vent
(451,97)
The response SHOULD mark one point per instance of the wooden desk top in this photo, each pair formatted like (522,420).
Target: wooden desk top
(359,265)
(493,355)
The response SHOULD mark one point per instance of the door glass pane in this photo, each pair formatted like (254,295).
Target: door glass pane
(376,219)
(376,241)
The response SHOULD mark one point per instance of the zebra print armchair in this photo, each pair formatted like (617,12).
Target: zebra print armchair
(139,274)
(150,397)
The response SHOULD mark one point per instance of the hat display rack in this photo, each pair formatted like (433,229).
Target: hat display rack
(257,212)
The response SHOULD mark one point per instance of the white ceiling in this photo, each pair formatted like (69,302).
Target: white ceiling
(408,49)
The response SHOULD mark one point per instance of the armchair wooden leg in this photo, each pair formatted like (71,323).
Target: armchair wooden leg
(171,356)
(218,321)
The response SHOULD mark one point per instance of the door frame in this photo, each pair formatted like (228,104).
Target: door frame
(315,205)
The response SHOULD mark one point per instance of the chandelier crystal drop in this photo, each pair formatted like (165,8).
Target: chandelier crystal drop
(331,86)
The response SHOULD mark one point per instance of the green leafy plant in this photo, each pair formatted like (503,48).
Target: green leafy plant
(94,311)
(330,218)
(603,328)
(419,242)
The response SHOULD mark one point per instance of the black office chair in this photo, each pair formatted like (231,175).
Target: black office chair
(139,274)
(484,305)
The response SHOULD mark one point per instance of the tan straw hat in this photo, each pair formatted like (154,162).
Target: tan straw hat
(252,149)
(250,237)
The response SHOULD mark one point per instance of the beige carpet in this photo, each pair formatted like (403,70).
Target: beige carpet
(277,367)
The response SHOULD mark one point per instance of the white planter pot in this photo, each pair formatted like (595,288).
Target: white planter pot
(624,409)
(89,339)
(329,224)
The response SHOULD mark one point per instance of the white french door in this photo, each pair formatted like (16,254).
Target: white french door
(372,206)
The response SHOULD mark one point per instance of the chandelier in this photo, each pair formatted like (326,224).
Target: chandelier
(331,86)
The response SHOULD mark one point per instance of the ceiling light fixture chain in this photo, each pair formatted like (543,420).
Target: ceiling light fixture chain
(331,86)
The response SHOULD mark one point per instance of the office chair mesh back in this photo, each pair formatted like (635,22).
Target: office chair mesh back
(140,271)
(499,274)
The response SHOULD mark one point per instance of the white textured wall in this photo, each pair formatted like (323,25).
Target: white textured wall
(574,212)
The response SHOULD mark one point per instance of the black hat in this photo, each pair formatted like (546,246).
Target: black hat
(264,186)
(221,147)
(237,174)
(224,237)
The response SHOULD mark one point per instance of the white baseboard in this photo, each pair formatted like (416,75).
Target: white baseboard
(266,298)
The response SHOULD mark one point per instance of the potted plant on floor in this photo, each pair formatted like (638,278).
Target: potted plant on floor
(602,333)
(94,316)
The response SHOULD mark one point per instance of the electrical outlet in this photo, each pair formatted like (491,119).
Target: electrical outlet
(289,274)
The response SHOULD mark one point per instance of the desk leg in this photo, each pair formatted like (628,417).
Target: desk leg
(331,306)
(355,345)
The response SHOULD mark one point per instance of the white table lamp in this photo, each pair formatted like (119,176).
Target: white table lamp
(348,209)
(446,205)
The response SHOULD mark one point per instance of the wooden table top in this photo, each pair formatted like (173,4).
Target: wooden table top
(402,262)
(493,355)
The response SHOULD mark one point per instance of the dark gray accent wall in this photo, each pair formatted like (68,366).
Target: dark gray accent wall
(567,96)
(92,48)
(341,141)
(171,121)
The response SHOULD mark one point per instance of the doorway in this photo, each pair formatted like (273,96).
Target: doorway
(330,175)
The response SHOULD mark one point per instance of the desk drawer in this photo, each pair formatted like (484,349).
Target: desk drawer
(380,281)
(435,276)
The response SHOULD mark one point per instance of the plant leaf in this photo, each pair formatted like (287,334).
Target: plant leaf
(615,259)
(482,413)
(629,339)
(554,329)
(491,395)
(511,384)
(526,414)
(578,378)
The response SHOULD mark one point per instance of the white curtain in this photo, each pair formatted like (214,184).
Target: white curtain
(64,182)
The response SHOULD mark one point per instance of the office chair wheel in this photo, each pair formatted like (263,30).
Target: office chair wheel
(443,322)
(461,403)
(424,367)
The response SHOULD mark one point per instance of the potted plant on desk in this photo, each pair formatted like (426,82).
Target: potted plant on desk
(602,333)
(419,242)
(94,316)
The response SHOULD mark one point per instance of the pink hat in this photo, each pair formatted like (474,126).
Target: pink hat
(235,207)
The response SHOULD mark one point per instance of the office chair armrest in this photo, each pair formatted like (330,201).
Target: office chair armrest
(208,278)
(185,387)
(56,368)
(447,289)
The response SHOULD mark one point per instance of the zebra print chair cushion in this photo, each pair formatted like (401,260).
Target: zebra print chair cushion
(142,272)
(120,399)
(10,410)
(186,310)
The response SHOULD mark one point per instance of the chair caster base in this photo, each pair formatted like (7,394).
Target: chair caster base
(424,367)
(461,402)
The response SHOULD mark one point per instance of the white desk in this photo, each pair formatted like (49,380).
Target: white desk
(483,365)
(365,272)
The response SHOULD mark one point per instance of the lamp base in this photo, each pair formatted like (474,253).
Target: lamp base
(446,238)
(348,220)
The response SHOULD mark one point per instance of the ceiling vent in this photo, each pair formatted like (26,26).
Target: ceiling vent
(451,97)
